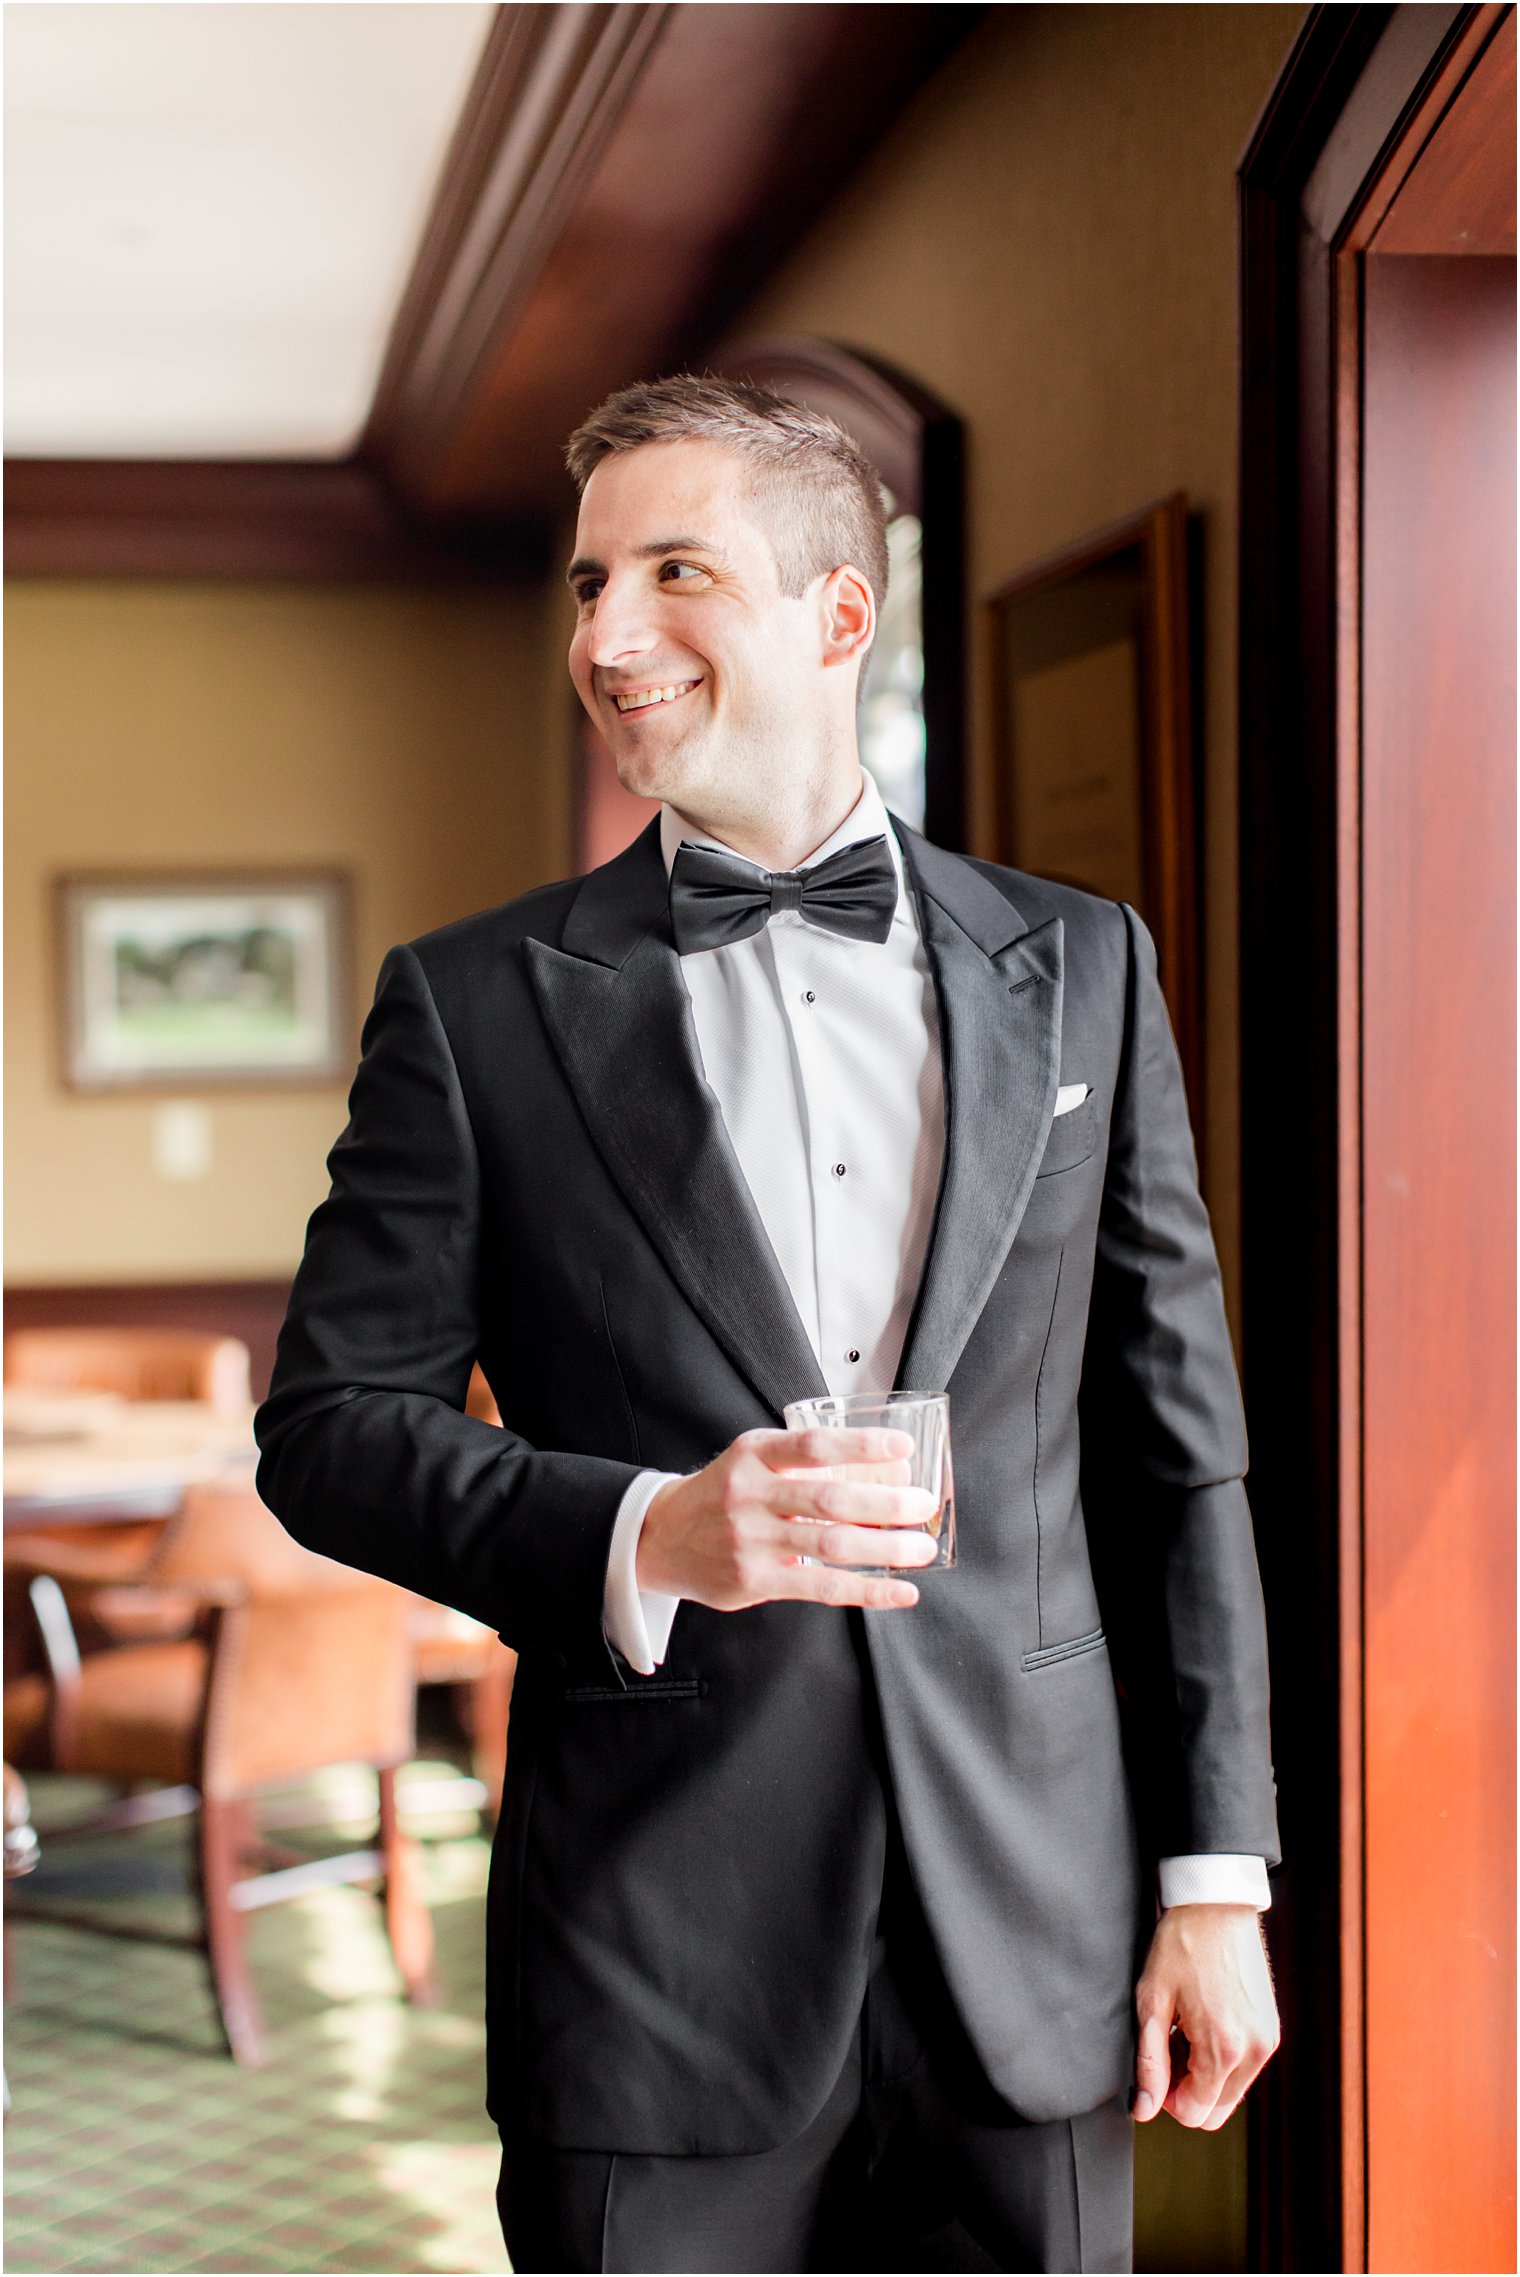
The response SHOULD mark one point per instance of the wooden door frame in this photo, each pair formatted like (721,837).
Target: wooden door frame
(1361,92)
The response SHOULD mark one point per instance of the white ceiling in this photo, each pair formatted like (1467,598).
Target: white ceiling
(211,208)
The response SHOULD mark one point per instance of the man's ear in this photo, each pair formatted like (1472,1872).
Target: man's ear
(848,610)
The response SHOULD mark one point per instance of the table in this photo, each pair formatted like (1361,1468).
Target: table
(96,1458)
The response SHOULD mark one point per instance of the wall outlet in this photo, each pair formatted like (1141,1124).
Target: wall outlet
(182,1139)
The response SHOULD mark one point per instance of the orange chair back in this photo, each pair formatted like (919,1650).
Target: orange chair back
(298,1683)
(135,1363)
(224,1533)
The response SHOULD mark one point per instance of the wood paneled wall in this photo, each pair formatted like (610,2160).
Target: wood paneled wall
(1438,1249)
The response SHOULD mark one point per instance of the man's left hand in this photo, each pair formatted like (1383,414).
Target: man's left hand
(1206,1974)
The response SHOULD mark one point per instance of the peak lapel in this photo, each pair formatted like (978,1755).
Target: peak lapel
(998,987)
(619,1017)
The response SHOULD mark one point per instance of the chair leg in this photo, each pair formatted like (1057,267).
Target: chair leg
(407,1920)
(226,1944)
(247,1840)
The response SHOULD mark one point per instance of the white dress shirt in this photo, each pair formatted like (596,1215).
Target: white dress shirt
(824,1056)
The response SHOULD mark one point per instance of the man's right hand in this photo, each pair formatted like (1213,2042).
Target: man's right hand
(737,1533)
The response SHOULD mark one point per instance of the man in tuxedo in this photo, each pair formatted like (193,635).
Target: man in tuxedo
(824,1906)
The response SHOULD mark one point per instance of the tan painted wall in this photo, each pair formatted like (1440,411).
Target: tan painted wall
(394,734)
(1047,240)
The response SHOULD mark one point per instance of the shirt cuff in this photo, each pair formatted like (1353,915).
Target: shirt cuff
(638,1621)
(1218,1879)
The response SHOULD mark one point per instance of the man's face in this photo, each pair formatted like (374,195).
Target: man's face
(705,679)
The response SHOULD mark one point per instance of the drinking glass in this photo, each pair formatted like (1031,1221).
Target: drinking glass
(925,1416)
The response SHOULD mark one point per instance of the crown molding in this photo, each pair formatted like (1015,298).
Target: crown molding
(551,86)
(311,521)
(621,180)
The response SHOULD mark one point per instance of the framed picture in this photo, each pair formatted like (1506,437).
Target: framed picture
(177,980)
(1092,709)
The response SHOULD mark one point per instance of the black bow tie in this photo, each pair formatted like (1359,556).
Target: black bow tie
(718,898)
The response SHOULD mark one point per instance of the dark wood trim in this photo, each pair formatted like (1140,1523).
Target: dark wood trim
(1357,81)
(917,445)
(1348,1453)
(577,242)
(885,410)
(582,239)
(1454,208)
(947,790)
(251,1309)
(281,520)
(550,87)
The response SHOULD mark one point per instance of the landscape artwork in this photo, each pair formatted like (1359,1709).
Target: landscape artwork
(203,980)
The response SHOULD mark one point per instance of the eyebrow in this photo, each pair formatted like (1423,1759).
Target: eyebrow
(585,565)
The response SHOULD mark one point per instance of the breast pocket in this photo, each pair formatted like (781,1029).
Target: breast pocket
(643,1691)
(1072,1138)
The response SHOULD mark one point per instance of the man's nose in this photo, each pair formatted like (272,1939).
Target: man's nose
(621,628)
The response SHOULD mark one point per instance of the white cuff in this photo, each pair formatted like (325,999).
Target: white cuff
(638,1621)
(1218,1879)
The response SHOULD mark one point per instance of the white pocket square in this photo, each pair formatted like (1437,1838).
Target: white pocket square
(1070,1095)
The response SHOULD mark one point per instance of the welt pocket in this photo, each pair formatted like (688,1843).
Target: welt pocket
(1048,1655)
(642,1688)
(1072,1138)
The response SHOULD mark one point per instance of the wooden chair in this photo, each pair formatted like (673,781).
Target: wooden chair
(292,1664)
(20,1835)
(450,1648)
(136,1363)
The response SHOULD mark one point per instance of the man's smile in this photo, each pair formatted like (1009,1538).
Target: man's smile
(643,699)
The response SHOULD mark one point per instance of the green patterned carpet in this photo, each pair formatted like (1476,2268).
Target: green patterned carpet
(134,2145)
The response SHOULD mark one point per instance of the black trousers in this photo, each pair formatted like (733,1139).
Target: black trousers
(913,2164)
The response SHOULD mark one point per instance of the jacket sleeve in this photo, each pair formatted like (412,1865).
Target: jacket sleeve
(366,1455)
(1163,1462)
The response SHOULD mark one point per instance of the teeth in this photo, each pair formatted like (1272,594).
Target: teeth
(641,696)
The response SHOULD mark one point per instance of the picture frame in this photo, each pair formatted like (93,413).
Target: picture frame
(176,980)
(1092,714)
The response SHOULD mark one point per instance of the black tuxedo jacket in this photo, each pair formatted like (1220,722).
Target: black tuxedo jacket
(687,1871)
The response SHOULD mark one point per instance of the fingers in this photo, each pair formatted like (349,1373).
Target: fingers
(1207,1973)
(1229,2098)
(788,1450)
(727,1537)
(1209,2086)
(836,1585)
(1153,2064)
(1200,2073)
(857,1545)
(1219,2067)
(848,1501)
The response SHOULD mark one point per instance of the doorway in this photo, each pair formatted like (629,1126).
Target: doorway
(1378,764)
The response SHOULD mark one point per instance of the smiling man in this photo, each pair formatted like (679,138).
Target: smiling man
(837,1920)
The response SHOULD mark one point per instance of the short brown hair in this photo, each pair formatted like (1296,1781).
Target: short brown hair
(822,498)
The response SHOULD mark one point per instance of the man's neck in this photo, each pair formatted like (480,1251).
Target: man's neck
(780,840)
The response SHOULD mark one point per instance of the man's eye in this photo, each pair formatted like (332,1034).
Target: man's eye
(588,590)
(673,572)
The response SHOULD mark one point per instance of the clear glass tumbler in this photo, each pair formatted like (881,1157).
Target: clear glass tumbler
(925,1416)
